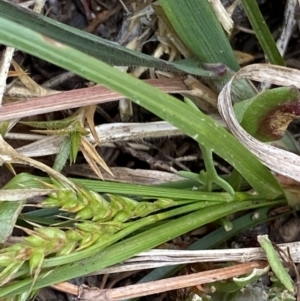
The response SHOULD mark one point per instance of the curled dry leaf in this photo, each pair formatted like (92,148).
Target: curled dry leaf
(280,161)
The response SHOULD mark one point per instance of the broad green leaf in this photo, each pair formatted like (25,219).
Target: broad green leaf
(194,123)
(267,115)
(198,27)
(107,51)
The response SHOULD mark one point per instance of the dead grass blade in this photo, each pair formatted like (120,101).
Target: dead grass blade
(78,98)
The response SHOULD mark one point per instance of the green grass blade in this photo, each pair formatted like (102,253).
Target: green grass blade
(9,212)
(131,246)
(63,154)
(198,27)
(105,50)
(262,32)
(212,240)
(28,180)
(194,123)
(275,262)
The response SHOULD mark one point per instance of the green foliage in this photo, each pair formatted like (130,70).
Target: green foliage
(262,32)
(99,215)
(275,263)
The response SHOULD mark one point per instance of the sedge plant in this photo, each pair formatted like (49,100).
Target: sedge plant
(83,220)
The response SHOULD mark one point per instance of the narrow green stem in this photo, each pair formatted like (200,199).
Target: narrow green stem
(134,190)
(262,32)
(211,174)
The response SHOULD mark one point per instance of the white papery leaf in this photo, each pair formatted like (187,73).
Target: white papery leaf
(280,161)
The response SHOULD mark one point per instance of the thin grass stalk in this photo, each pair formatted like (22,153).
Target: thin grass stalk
(262,32)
